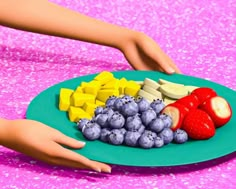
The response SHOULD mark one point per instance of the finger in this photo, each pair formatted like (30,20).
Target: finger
(68,141)
(73,159)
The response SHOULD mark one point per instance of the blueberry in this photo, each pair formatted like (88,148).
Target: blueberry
(150,133)
(108,110)
(115,137)
(146,141)
(110,101)
(129,108)
(98,110)
(167,135)
(131,138)
(141,129)
(80,124)
(133,122)
(143,104)
(180,136)
(128,98)
(116,121)
(104,134)
(156,125)
(157,105)
(158,142)
(123,130)
(147,116)
(166,119)
(102,119)
(118,104)
(91,131)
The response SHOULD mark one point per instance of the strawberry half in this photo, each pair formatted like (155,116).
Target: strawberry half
(177,112)
(218,109)
(198,125)
(203,93)
(190,101)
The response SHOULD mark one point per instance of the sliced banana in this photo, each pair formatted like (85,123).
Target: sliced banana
(152,91)
(190,88)
(162,81)
(168,100)
(146,95)
(173,91)
(151,83)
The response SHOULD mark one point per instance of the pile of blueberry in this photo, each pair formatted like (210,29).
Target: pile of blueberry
(133,122)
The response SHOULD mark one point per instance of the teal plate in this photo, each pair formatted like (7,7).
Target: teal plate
(44,108)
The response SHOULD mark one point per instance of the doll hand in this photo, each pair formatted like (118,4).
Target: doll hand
(45,143)
(143,53)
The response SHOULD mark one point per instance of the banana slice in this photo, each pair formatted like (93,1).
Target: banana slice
(152,91)
(168,100)
(151,83)
(190,88)
(146,95)
(173,91)
(162,81)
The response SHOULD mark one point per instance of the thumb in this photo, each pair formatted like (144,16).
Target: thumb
(69,142)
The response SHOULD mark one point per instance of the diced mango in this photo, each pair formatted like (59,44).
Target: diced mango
(132,88)
(104,94)
(78,99)
(99,103)
(64,98)
(123,83)
(112,84)
(79,89)
(76,113)
(92,87)
(104,77)
(89,108)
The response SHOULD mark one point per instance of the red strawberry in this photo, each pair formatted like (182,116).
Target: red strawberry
(177,112)
(218,109)
(198,125)
(203,93)
(190,101)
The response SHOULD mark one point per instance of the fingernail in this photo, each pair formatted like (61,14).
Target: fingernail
(83,143)
(171,70)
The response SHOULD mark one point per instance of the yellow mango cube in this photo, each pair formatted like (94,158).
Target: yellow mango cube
(78,99)
(89,108)
(64,98)
(104,77)
(112,84)
(132,88)
(122,85)
(79,89)
(76,113)
(104,94)
(92,87)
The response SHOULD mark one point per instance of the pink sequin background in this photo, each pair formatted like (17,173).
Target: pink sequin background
(199,35)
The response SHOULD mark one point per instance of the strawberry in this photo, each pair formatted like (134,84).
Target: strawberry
(218,109)
(177,112)
(190,101)
(203,93)
(198,125)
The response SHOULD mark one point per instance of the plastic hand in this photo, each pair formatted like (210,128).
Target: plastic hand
(143,53)
(45,143)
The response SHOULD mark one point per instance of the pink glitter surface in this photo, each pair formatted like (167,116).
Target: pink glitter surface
(199,35)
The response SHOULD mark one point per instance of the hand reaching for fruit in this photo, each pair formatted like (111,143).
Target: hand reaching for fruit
(45,143)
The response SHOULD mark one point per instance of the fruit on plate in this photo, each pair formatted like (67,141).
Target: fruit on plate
(177,112)
(218,109)
(173,91)
(198,125)
(203,93)
(190,101)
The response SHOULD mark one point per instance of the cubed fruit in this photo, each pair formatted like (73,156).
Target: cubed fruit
(104,77)
(104,94)
(99,103)
(92,87)
(78,99)
(113,84)
(123,83)
(76,113)
(132,88)
(64,99)
(79,89)
(89,108)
